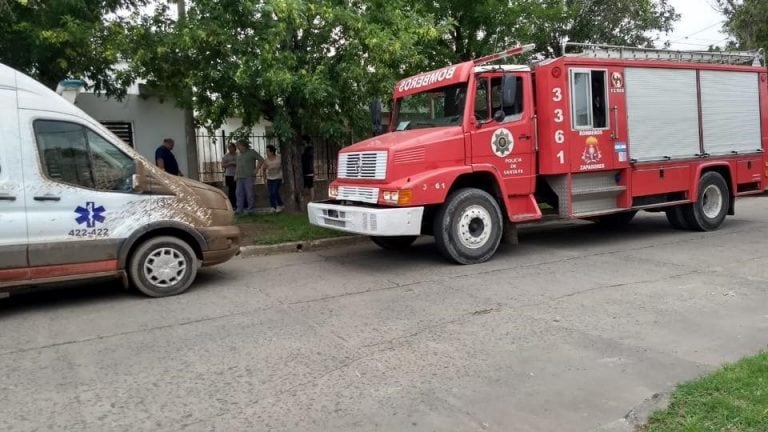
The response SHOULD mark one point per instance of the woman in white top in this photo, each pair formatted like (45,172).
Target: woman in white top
(273,172)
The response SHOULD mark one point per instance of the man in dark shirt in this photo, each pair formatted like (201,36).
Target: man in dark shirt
(165,159)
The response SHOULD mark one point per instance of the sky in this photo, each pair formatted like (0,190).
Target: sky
(699,26)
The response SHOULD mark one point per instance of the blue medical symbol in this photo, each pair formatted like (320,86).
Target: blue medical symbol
(90,214)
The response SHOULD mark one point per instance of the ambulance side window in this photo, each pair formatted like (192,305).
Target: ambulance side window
(589,108)
(72,154)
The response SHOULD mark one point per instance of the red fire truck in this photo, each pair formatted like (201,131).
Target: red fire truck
(476,148)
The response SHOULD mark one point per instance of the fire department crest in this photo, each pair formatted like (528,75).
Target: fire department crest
(618,80)
(591,152)
(502,142)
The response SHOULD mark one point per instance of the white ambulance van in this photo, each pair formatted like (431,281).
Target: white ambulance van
(77,203)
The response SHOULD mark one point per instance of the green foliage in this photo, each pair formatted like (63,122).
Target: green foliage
(733,399)
(485,26)
(310,67)
(56,39)
(747,22)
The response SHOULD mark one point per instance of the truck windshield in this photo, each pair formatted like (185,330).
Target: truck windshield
(439,107)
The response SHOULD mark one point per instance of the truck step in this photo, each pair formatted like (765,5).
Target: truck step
(599,190)
(598,213)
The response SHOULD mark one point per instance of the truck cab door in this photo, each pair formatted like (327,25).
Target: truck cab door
(503,137)
(14,266)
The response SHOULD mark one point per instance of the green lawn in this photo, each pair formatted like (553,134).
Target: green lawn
(735,398)
(269,229)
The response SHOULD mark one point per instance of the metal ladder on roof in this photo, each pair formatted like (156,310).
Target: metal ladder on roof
(755,58)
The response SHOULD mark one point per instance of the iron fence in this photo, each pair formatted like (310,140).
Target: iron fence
(211,149)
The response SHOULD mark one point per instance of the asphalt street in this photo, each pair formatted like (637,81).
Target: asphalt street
(568,331)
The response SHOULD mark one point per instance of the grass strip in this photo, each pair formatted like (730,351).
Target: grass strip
(733,399)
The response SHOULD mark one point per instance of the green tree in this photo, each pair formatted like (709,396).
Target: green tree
(747,22)
(485,26)
(311,67)
(56,39)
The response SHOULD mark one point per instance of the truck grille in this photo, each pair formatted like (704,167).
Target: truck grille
(360,194)
(364,165)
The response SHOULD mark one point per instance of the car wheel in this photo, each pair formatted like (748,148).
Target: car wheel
(711,206)
(163,266)
(676,217)
(468,227)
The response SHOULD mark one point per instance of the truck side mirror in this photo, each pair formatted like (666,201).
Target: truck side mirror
(499,116)
(508,90)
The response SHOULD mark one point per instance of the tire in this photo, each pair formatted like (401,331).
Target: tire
(712,203)
(616,220)
(676,217)
(468,228)
(163,266)
(394,243)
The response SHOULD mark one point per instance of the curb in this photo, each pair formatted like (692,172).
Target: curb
(638,416)
(308,245)
(300,246)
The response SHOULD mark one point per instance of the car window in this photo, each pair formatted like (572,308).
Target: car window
(73,154)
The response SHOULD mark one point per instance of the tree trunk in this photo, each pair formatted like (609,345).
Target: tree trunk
(290,153)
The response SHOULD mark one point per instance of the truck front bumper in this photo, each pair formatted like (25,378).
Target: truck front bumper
(367,220)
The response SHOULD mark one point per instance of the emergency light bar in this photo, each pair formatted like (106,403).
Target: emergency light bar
(520,49)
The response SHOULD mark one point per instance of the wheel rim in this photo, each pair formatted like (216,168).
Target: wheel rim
(165,267)
(474,227)
(712,201)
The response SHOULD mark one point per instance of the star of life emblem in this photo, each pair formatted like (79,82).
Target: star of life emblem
(502,142)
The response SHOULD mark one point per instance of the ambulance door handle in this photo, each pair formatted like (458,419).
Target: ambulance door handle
(47,198)
(6,197)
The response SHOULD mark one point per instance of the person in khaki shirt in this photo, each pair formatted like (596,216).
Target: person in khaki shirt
(249,162)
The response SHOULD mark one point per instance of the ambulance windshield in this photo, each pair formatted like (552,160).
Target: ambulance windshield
(438,107)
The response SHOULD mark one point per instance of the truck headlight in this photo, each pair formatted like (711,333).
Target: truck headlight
(333,192)
(398,197)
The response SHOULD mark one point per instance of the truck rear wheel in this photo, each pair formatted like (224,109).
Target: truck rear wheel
(711,206)
(468,227)
(676,217)
(394,242)
(163,266)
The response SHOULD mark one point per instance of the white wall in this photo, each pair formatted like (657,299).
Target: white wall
(152,121)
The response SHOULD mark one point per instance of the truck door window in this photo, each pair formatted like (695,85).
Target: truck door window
(73,154)
(589,109)
(513,110)
(481,101)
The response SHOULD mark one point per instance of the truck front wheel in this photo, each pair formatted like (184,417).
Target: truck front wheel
(468,227)
(163,266)
(711,206)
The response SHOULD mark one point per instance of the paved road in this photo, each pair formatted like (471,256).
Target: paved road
(566,332)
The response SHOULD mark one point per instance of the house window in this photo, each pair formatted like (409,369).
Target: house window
(589,109)
(123,130)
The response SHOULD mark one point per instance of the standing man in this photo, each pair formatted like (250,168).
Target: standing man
(229,164)
(165,159)
(245,172)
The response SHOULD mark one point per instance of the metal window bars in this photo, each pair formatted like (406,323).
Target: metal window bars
(755,58)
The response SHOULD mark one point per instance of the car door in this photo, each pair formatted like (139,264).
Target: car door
(13,220)
(503,139)
(83,207)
